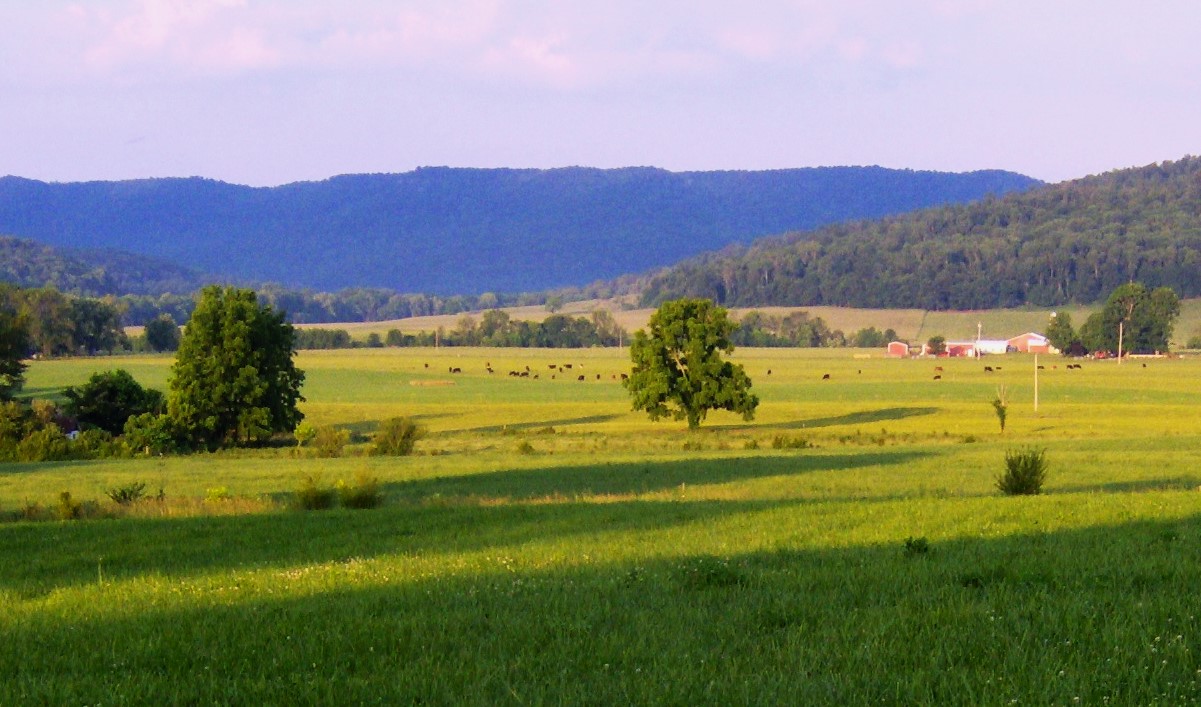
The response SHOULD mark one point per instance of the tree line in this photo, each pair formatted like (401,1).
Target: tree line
(356,304)
(491,328)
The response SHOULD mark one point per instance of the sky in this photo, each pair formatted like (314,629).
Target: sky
(267,92)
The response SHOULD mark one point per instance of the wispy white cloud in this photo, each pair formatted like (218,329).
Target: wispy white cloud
(550,44)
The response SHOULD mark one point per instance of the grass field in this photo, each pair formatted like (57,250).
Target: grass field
(547,545)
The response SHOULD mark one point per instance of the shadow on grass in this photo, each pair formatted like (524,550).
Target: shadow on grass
(638,477)
(524,426)
(853,418)
(1176,483)
(29,468)
(437,514)
(869,624)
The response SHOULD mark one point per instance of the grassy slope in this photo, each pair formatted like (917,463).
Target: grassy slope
(625,561)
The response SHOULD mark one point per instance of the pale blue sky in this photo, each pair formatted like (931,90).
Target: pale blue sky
(265,92)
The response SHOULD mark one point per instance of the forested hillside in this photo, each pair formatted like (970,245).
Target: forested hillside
(94,273)
(465,231)
(1068,243)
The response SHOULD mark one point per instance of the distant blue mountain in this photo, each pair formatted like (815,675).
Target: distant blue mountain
(466,231)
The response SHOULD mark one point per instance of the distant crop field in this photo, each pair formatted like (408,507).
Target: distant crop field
(547,545)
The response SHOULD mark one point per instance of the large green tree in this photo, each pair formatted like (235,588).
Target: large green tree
(14,348)
(234,380)
(1060,332)
(1145,319)
(162,333)
(678,366)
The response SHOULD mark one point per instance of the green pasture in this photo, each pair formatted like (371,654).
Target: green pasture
(548,545)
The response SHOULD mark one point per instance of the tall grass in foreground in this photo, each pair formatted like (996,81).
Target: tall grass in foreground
(576,603)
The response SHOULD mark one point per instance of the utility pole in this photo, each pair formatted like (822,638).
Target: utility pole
(1121,329)
(1035,382)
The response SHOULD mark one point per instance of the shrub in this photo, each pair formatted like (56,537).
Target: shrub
(109,399)
(364,493)
(524,447)
(329,441)
(916,546)
(46,444)
(98,444)
(68,508)
(1025,472)
(44,411)
(217,494)
(304,434)
(396,437)
(15,423)
(783,442)
(150,433)
(32,510)
(127,494)
(313,496)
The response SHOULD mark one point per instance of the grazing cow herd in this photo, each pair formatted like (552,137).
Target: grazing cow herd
(559,368)
(527,372)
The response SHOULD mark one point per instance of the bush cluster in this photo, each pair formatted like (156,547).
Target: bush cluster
(34,433)
(315,495)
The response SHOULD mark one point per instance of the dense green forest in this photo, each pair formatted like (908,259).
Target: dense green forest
(92,273)
(452,232)
(1068,243)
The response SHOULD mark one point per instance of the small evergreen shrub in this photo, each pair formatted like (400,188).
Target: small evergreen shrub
(396,437)
(313,496)
(1025,472)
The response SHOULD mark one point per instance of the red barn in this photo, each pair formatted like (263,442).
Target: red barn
(1031,342)
(898,348)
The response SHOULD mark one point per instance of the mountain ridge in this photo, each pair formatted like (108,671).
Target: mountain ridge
(451,230)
